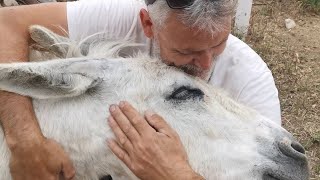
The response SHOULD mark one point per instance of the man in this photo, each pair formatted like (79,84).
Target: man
(193,35)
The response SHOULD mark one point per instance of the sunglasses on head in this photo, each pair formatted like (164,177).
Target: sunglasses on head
(174,4)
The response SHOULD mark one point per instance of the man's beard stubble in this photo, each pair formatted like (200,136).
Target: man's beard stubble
(187,68)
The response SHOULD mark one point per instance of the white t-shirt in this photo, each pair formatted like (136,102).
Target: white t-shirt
(238,70)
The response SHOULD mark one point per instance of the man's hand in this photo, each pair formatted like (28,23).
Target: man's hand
(41,159)
(32,155)
(149,147)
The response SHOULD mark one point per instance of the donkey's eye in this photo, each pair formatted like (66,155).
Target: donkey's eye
(186,93)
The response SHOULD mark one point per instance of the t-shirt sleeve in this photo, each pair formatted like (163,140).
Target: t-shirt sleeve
(245,76)
(116,19)
(261,94)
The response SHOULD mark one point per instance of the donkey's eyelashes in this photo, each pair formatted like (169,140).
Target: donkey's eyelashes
(184,93)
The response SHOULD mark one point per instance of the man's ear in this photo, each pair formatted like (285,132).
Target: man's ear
(146,23)
(51,79)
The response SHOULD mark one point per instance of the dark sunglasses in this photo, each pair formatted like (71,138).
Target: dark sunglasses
(174,4)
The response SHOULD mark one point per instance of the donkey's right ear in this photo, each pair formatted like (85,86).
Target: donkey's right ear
(46,40)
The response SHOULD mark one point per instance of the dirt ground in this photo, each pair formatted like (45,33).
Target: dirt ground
(294,58)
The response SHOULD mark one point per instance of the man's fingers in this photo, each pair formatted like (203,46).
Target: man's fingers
(119,152)
(124,123)
(67,168)
(134,117)
(122,138)
(69,172)
(158,123)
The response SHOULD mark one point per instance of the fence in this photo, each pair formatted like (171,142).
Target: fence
(242,18)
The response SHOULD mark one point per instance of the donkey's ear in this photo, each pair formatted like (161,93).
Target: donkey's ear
(46,40)
(51,79)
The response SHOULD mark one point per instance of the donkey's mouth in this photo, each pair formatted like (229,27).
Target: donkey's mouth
(274,175)
(270,177)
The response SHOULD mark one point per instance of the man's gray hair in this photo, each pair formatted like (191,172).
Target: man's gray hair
(208,15)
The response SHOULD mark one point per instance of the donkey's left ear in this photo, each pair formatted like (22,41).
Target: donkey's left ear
(51,79)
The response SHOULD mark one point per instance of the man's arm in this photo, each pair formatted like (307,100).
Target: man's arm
(32,155)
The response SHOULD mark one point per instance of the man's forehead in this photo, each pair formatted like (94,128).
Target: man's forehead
(211,44)
(199,43)
(180,32)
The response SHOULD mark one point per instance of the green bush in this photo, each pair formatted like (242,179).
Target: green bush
(313,2)
(312,5)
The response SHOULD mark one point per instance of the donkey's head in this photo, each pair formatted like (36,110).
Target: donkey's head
(223,139)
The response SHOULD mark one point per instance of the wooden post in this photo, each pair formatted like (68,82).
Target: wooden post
(242,18)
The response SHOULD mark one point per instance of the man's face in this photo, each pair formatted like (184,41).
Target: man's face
(190,49)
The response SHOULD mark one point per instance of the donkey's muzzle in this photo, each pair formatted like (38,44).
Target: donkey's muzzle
(289,163)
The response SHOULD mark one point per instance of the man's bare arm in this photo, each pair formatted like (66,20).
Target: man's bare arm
(29,148)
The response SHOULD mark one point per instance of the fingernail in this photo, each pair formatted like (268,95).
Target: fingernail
(112,108)
(122,104)
(149,113)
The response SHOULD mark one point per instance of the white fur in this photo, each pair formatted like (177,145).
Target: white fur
(223,139)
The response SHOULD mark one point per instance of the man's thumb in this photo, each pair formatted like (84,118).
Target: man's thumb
(68,170)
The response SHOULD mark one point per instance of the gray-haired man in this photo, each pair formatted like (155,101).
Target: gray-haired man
(193,35)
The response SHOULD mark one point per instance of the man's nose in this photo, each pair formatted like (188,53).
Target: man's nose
(204,60)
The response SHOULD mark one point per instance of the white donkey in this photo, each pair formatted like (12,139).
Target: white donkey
(223,139)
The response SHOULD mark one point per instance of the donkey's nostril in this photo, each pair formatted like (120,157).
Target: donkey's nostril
(298,147)
(292,149)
